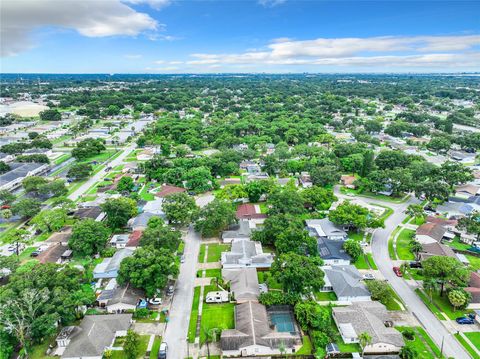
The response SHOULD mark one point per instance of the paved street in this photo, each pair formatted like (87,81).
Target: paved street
(176,332)
(98,176)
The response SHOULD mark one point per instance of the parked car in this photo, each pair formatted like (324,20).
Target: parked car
(34,254)
(170,291)
(162,352)
(397,271)
(182,259)
(368,276)
(155,301)
(465,320)
(415,264)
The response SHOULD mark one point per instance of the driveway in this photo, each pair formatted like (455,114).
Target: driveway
(451,347)
(176,330)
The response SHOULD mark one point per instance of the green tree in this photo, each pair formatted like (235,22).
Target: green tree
(458,298)
(88,147)
(125,184)
(118,211)
(131,347)
(415,247)
(430,285)
(311,315)
(415,210)
(297,273)
(353,216)
(50,220)
(379,290)
(32,184)
(79,171)
(471,224)
(408,351)
(255,189)
(7,197)
(353,248)
(320,198)
(26,208)
(286,201)
(445,270)
(439,144)
(18,237)
(88,237)
(148,269)
(160,236)
(4,167)
(180,208)
(199,179)
(215,217)
(325,176)
(365,339)
(50,115)
(296,239)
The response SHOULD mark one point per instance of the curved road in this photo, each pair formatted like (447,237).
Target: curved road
(434,327)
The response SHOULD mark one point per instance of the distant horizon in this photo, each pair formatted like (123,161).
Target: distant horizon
(239,36)
(241,73)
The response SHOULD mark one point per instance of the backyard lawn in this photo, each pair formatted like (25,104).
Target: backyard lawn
(216,316)
(371,261)
(215,251)
(266,277)
(361,263)
(307,347)
(403,245)
(325,296)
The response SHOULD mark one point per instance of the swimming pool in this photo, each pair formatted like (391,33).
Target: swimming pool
(283,321)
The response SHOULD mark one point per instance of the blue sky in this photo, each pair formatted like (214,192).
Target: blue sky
(172,36)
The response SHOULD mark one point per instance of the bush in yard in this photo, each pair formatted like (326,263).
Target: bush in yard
(141,313)
(108,252)
(459,298)
(131,348)
(409,334)
(312,315)
(320,339)
(353,248)
(409,352)
(380,290)
(278,298)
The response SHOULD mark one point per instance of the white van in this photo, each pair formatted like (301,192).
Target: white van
(217,297)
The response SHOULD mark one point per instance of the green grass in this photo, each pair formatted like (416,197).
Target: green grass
(474,262)
(348,348)
(216,316)
(371,261)
(385,198)
(357,236)
(407,219)
(38,351)
(418,343)
(143,344)
(307,347)
(391,250)
(403,244)
(467,346)
(423,334)
(192,326)
(426,300)
(446,307)
(474,337)
(61,159)
(155,347)
(263,207)
(361,263)
(266,277)
(145,195)
(456,244)
(215,251)
(201,254)
(393,300)
(212,273)
(325,296)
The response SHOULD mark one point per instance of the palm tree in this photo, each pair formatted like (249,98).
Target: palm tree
(212,336)
(415,247)
(365,339)
(430,285)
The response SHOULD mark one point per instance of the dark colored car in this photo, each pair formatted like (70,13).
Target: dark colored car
(415,265)
(34,254)
(465,320)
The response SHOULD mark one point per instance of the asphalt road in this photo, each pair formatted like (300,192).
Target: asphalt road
(99,175)
(177,327)
(436,330)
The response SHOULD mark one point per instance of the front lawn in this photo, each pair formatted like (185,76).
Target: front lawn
(266,277)
(357,236)
(474,337)
(445,306)
(403,245)
(391,250)
(201,254)
(371,261)
(418,343)
(192,326)
(155,347)
(143,344)
(426,300)
(216,316)
(215,251)
(456,244)
(361,263)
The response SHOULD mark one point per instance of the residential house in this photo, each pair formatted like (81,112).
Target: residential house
(432,233)
(155,207)
(240,230)
(134,238)
(260,176)
(230,181)
(348,181)
(325,229)
(249,211)
(372,318)
(449,224)
(435,249)
(462,156)
(243,283)
(455,209)
(120,299)
(467,190)
(474,290)
(119,240)
(246,253)
(259,331)
(95,213)
(95,334)
(140,222)
(305,180)
(167,190)
(346,282)
(248,163)
(270,147)
(109,267)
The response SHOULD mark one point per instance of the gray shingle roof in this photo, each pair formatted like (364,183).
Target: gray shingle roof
(243,283)
(246,252)
(346,281)
(97,333)
(369,317)
(331,249)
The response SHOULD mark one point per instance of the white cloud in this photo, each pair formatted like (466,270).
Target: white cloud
(155,4)
(271,3)
(89,18)
(387,51)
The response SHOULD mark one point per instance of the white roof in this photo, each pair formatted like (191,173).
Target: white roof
(347,330)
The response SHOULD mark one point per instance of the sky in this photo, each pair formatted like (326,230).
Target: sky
(249,36)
